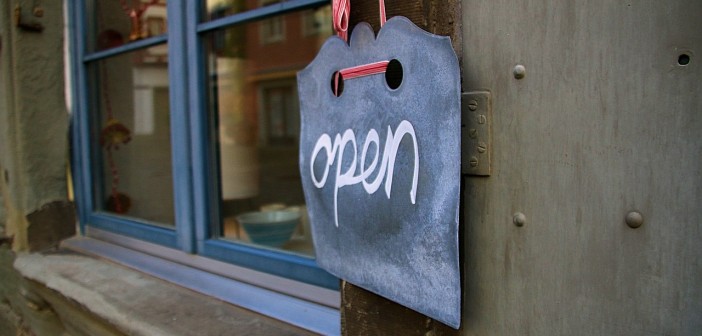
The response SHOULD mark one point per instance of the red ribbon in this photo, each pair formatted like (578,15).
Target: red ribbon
(381,6)
(341,10)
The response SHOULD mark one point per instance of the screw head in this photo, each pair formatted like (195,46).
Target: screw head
(473,105)
(519,71)
(482,119)
(473,133)
(38,11)
(634,219)
(473,161)
(482,147)
(519,219)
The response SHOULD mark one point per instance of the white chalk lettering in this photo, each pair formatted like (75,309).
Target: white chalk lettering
(335,154)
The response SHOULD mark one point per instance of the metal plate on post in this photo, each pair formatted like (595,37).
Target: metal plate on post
(475,133)
(381,166)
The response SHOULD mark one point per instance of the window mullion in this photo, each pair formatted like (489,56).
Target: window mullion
(180,134)
(126,48)
(202,156)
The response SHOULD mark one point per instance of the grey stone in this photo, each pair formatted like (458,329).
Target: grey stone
(96,297)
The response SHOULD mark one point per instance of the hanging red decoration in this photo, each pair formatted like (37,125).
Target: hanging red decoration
(118,203)
(114,134)
(135,12)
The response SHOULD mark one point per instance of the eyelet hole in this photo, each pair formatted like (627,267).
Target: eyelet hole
(337,84)
(394,74)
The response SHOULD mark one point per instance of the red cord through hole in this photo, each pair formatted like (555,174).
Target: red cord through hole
(364,70)
(358,71)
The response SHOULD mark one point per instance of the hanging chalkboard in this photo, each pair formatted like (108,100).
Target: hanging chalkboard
(380,165)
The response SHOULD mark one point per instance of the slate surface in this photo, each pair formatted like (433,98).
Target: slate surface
(398,246)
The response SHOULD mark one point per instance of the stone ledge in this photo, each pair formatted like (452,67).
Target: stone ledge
(124,301)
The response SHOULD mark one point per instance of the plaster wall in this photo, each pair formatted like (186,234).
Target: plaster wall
(33,116)
(34,211)
(2,216)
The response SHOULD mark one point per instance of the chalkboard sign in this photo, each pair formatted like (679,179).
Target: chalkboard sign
(380,165)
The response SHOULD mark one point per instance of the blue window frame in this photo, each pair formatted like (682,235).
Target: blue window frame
(194,158)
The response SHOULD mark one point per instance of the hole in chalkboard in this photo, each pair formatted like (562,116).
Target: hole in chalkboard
(393,74)
(337,84)
(684,59)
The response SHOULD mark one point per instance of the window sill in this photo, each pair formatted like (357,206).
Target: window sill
(136,303)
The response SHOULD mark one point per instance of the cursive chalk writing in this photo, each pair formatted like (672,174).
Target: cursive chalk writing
(335,153)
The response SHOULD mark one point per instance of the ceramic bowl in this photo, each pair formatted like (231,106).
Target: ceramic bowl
(270,228)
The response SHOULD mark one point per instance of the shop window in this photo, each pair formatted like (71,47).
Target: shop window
(186,128)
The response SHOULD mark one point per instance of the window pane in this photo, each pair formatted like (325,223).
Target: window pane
(254,107)
(116,22)
(132,135)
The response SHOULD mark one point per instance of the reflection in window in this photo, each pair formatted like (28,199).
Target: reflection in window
(272,30)
(254,108)
(216,9)
(120,22)
(317,22)
(132,135)
(280,114)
